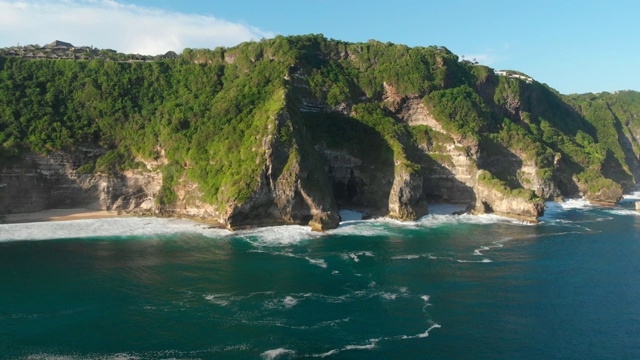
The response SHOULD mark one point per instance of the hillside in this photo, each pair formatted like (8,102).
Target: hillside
(292,129)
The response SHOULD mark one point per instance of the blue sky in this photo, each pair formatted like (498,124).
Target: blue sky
(574,46)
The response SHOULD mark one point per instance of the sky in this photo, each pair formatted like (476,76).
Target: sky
(575,46)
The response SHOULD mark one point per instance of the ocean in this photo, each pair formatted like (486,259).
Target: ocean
(443,287)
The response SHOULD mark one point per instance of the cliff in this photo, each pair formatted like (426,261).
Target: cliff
(293,129)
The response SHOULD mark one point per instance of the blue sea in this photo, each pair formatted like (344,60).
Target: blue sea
(443,287)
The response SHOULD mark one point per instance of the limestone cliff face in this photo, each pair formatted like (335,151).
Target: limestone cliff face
(358,182)
(299,184)
(451,168)
(490,199)
(406,201)
(39,182)
(291,190)
(189,204)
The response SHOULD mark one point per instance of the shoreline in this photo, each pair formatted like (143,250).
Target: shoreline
(57,215)
(51,215)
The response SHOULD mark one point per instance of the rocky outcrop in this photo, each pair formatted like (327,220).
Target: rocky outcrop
(607,196)
(492,200)
(406,201)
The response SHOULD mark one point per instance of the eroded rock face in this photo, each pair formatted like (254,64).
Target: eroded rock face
(606,196)
(490,200)
(406,201)
(359,183)
(291,190)
(44,182)
(451,168)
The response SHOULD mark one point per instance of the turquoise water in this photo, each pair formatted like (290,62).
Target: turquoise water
(445,287)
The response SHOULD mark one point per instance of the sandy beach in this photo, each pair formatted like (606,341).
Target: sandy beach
(57,215)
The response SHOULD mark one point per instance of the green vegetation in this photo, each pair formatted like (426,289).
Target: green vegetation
(210,113)
(207,116)
(490,181)
(461,111)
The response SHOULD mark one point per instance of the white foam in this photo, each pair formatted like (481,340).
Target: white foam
(372,345)
(632,197)
(125,226)
(218,299)
(278,235)
(553,210)
(272,354)
(387,226)
(355,256)
(328,353)
(576,203)
(403,292)
(432,257)
(317,262)
(436,220)
(425,298)
(421,335)
(473,261)
(407,257)
(226,299)
(624,212)
(373,227)
(290,301)
(372,292)
(285,303)
(389,296)
(118,356)
(417,256)
(497,244)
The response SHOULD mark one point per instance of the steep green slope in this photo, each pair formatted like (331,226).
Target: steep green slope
(207,116)
(290,129)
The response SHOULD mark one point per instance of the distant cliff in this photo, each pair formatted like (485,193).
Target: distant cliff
(292,129)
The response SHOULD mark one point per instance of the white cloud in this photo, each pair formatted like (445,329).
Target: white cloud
(491,56)
(484,59)
(113,25)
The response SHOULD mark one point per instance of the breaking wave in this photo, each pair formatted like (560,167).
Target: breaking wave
(632,197)
(275,353)
(372,344)
(111,227)
(623,212)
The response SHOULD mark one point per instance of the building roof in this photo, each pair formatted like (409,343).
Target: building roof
(170,55)
(59,43)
